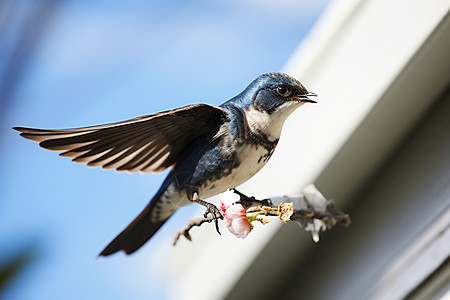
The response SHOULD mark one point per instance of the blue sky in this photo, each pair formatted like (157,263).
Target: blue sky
(104,61)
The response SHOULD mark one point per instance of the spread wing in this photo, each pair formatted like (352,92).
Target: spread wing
(149,143)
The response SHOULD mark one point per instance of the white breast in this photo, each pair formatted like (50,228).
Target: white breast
(252,159)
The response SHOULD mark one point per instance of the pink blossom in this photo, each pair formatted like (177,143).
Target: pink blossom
(234,215)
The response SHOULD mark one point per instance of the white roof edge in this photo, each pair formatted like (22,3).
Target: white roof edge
(404,102)
(325,31)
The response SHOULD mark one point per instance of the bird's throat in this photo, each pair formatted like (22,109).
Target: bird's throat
(270,124)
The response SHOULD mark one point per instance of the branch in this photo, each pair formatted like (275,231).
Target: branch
(311,210)
(189,225)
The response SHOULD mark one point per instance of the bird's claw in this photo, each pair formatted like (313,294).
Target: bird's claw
(215,212)
(266,202)
(210,209)
(247,201)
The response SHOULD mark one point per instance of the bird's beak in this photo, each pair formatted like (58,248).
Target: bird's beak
(305,98)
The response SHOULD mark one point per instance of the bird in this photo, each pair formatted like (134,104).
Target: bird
(208,149)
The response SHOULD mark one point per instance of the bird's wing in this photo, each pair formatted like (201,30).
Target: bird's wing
(149,143)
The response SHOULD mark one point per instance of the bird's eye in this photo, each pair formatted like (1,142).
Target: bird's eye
(283,91)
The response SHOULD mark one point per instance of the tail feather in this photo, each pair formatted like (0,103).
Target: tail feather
(137,233)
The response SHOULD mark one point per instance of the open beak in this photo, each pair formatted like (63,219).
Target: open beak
(305,98)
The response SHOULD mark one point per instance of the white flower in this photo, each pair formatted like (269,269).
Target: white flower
(229,197)
(236,221)
(234,214)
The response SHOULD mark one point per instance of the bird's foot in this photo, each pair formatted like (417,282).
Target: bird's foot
(210,209)
(247,201)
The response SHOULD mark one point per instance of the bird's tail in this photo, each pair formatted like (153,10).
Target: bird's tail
(141,229)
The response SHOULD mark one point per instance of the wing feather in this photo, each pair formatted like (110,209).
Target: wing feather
(149,143)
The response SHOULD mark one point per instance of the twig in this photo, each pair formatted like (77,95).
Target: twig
(189,225)
(305,214)
(317,208)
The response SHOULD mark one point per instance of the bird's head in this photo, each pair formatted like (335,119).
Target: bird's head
(275,91)
(269,100)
